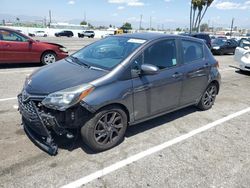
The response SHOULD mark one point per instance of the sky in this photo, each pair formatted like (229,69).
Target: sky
(163,13)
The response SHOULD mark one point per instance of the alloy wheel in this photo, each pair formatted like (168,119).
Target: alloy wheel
(108,128)
(49,58)
(209,96)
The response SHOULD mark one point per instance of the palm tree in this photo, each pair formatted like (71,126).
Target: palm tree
(194,5)
(195,20)
(200,4)
(191,8)
(207,4)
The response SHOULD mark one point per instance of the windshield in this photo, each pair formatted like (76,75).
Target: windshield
(108,52)
(218,42)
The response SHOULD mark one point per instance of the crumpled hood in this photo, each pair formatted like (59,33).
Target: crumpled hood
(60,75)
(55,44)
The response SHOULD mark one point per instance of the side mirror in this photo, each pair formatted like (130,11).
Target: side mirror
(149,69)
(30,41)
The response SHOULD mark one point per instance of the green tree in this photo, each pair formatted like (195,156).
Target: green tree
(126,26)
(178,29)
(83,22)
(204,27)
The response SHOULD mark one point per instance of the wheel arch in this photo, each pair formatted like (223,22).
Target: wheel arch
(122,106)
(217,85)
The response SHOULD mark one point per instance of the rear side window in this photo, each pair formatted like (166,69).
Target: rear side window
(161,54)
(192,51)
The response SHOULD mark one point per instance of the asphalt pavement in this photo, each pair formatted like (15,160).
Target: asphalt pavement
(217,156)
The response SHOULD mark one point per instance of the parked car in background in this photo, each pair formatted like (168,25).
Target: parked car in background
(222,37)
(202,36)
(242,54)
(89,34)
(64,33)
(115,82)
(16,47)
(107,35)
(222,46)
(38,34)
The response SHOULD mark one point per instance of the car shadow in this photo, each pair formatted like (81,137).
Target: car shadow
(19,65)
(153,123)
(75,143)
(247,73)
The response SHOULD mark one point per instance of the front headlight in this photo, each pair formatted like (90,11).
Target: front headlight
(61,100)
(216,47)
(63,49)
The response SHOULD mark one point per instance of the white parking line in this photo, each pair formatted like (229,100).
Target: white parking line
(16,71)
(8,99)
(150,151)
(15,106)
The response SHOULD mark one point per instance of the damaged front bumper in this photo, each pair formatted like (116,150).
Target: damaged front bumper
(34,127)
(41,124)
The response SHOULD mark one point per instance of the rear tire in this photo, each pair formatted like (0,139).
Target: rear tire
(105,129)
(208,98)
(48,58)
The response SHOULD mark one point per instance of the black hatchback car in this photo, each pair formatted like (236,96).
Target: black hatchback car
(64,33)
(116,82)
(223,46)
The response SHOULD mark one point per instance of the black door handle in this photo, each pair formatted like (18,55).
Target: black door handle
(206,65)
(177,75)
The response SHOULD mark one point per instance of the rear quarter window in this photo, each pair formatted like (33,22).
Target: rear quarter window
(192,51)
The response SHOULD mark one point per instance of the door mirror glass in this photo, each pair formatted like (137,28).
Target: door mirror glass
(149,69)
(30,41)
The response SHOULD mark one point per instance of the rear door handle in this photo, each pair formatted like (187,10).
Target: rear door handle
(206,65)
(177,75)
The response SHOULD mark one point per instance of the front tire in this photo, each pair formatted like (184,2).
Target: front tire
(48,58)
(208,98)
(105,129)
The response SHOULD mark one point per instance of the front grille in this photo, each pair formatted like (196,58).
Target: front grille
(27,109)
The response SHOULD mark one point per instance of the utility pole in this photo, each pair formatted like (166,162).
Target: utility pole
(150,23)
(140,22)
(49,18)
(85,16)
(45,22)
(232,25)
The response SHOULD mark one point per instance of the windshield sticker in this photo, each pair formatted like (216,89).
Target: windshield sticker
(138,41)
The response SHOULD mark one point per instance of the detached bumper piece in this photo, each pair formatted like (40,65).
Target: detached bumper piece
(44,143)
(35,128)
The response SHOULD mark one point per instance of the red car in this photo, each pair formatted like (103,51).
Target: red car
(16,47)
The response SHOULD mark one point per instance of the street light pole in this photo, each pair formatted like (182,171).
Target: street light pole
(232,24)
(140,22)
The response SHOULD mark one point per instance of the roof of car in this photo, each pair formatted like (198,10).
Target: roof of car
(154,36)
(148,36)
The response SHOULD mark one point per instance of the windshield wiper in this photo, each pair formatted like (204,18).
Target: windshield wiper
(78,61)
